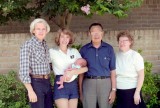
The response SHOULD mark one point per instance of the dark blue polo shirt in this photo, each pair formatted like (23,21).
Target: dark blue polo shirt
(100,61)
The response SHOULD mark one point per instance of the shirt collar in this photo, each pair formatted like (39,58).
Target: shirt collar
(102,44)
(37,42)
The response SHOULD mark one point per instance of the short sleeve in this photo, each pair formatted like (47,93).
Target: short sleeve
(51,54)
(112,64)
(138,62)
(82,52)
(77,54)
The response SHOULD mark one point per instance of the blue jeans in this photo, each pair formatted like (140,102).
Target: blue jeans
(42,88)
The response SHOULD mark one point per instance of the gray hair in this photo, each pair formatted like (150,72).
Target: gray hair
(38,20)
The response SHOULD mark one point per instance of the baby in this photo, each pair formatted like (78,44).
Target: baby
(76,65)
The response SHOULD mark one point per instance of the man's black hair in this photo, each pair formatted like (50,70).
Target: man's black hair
(95,24)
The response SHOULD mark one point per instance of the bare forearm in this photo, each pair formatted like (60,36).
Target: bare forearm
(80,70)
(140,80)
(112,95)
(113,79)
(28,87)
(81,76)
(31,94)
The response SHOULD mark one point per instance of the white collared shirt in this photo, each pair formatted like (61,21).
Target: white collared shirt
(61,61)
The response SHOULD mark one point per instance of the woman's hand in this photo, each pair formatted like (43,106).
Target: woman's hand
(69,74)
(137,98)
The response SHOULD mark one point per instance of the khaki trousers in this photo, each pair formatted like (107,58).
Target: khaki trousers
(96,91)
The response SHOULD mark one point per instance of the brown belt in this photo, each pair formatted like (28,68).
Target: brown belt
(41,76)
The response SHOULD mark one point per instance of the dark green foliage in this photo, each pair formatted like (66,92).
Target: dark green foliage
(157,80)
(12,92)
(149,87)
(15,10)
(78,46)
(61,11)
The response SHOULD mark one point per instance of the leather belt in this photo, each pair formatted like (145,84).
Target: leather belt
(97,77)
(41,76)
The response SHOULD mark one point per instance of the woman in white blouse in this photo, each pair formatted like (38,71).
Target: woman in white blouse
(130,73)
(62,56)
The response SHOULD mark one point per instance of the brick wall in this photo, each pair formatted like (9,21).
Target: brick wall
(143,22)
(147,40)
(145,17)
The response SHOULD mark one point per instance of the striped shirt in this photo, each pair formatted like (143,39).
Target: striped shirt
(34,59)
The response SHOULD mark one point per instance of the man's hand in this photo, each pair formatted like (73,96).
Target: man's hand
(81,97)
(32,96)
(112,96)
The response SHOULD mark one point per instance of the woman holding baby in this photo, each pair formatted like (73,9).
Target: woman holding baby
(62,56)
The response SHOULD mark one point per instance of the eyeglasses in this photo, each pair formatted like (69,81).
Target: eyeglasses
(94,33)
(123,41)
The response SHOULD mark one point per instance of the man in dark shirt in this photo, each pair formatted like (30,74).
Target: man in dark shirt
(98,85)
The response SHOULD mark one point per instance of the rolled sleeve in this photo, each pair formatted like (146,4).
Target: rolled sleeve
(24,64)
(78,55)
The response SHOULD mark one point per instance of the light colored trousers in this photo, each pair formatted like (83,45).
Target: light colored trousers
(96,91)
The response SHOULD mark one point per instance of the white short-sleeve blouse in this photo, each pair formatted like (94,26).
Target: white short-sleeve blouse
(61,61)
(128,65)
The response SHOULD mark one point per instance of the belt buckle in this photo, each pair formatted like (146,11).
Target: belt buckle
(45,76)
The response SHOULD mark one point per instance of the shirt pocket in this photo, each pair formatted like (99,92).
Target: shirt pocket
(39,57)
(104,61)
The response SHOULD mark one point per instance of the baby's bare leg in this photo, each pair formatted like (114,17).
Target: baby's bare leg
(60,82)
